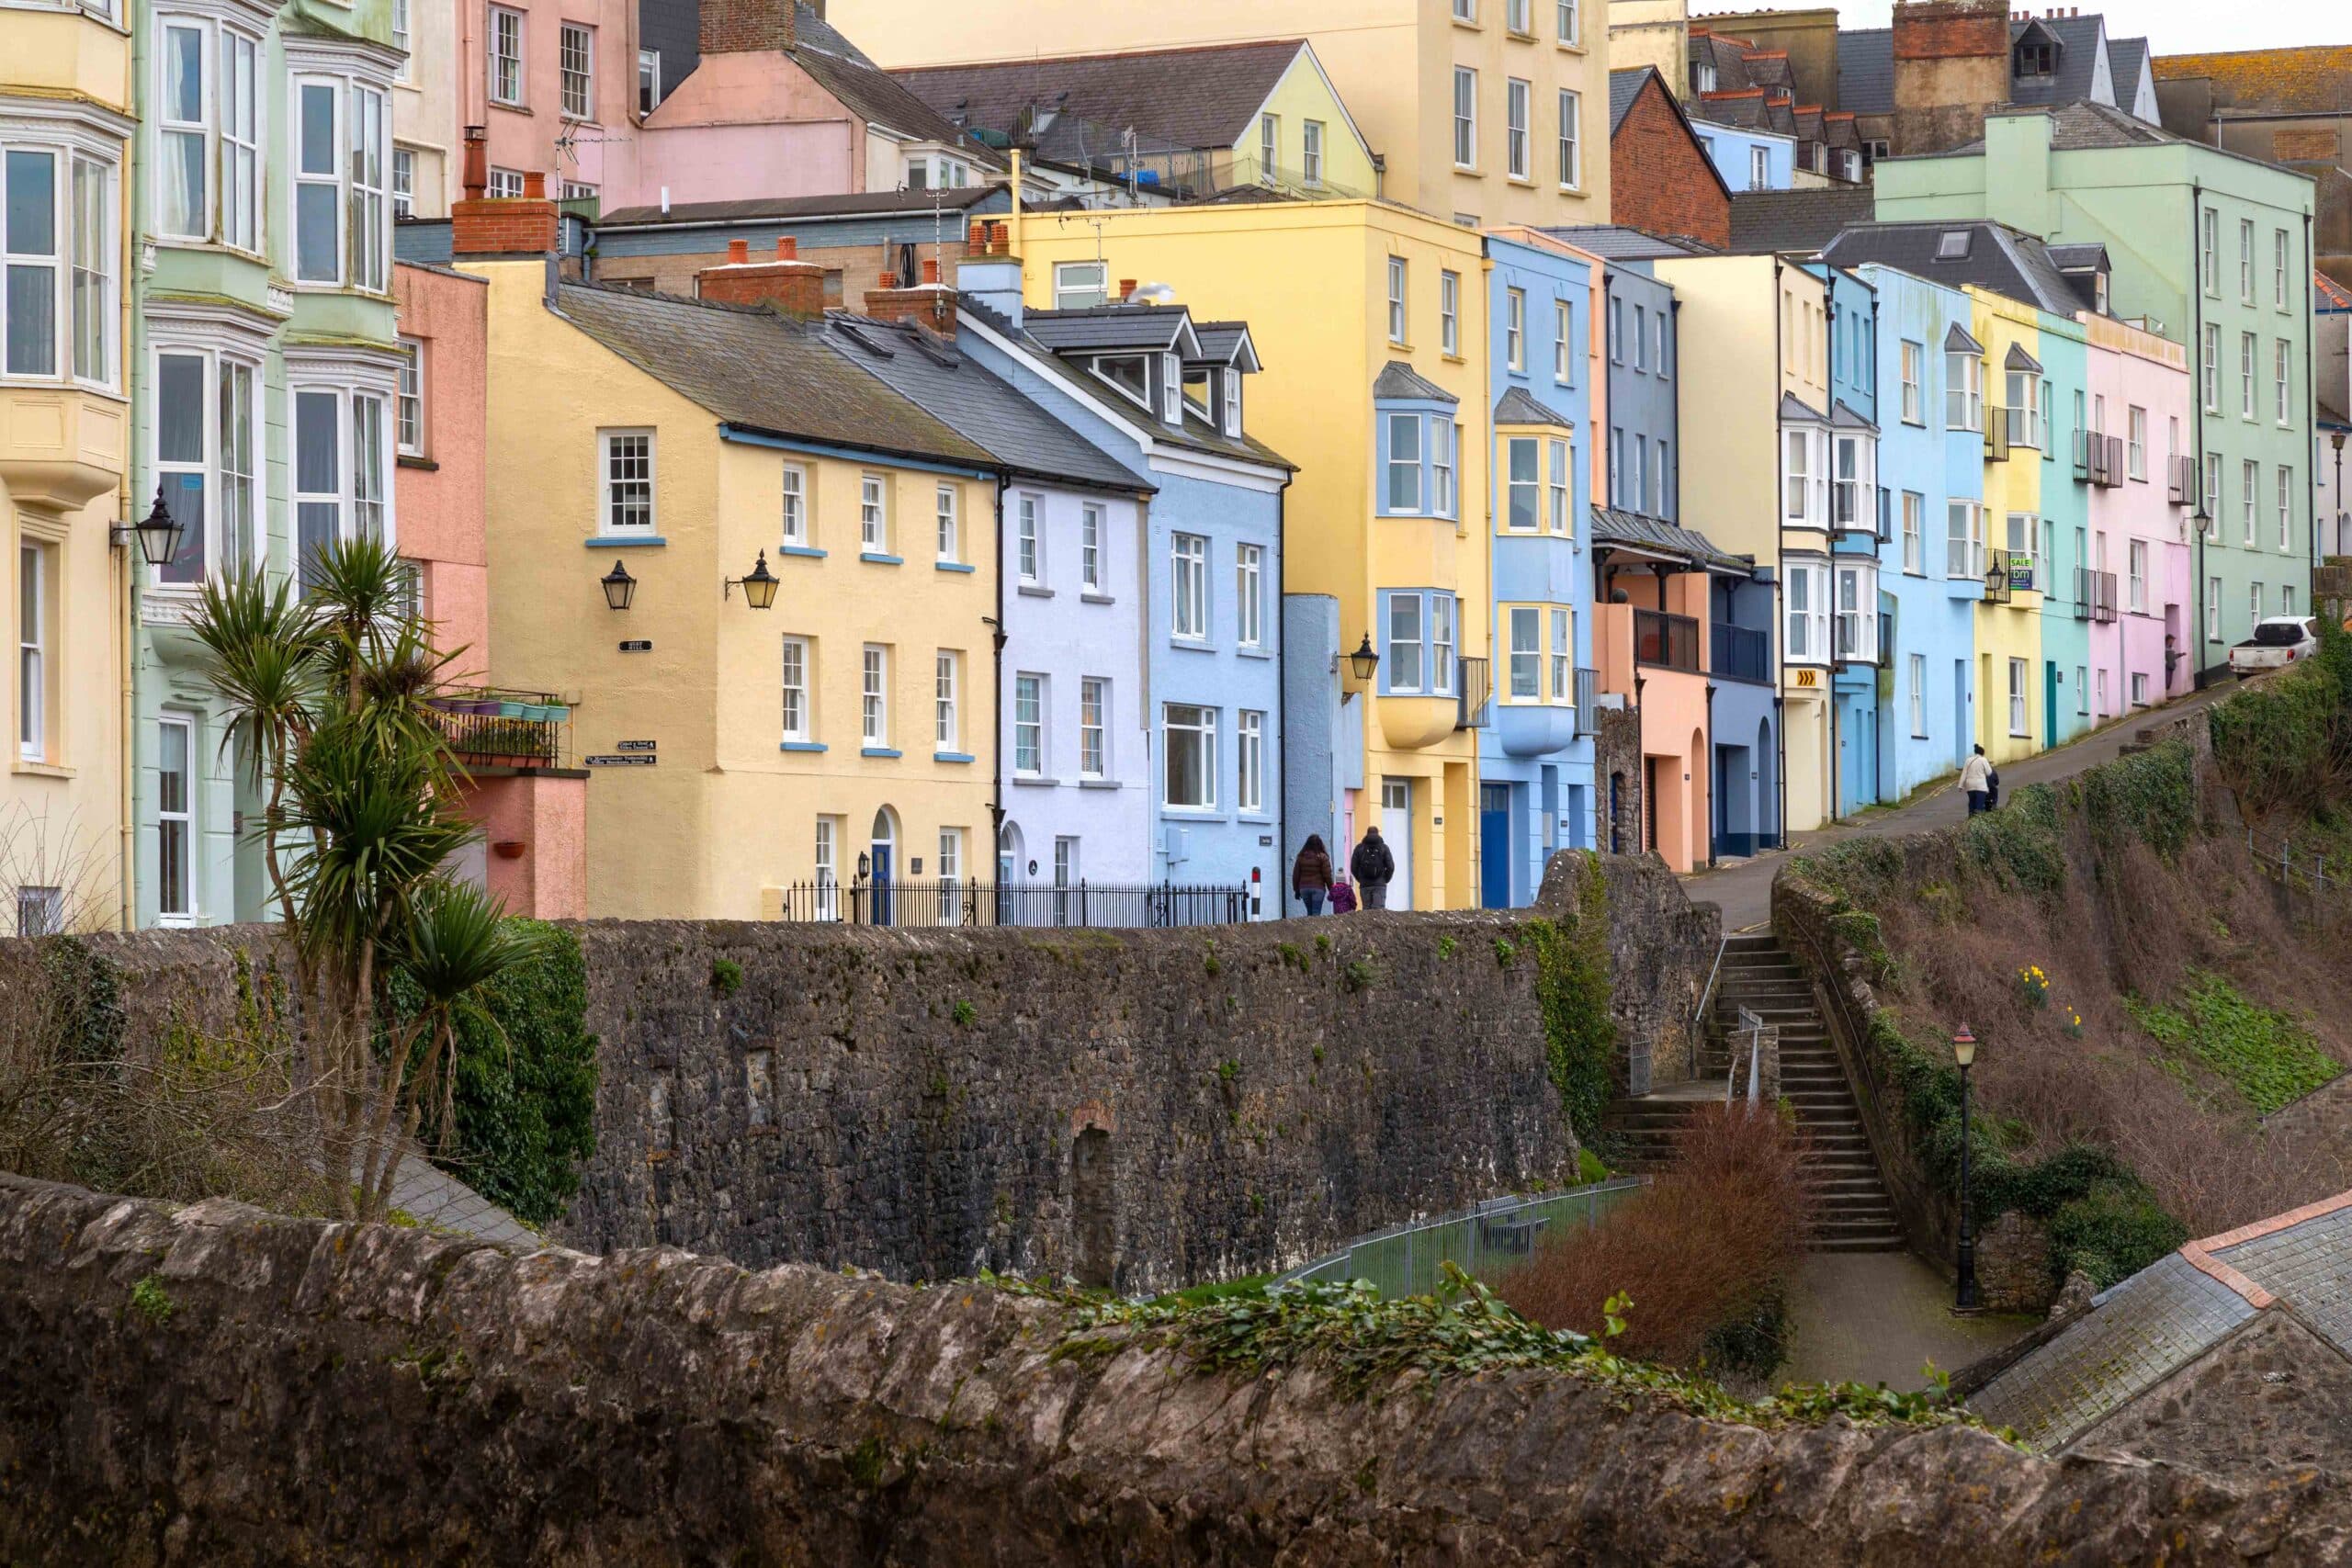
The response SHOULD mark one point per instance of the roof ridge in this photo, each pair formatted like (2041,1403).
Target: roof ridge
(626,291)
(1233,45)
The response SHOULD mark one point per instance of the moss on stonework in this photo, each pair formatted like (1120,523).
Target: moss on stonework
(1573,992)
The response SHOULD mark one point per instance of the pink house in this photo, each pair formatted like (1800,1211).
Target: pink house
(532,807)
(2140,511)
(552,84)
(779,108)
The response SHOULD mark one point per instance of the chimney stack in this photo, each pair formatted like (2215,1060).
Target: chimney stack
(503,226)
(930,306)
(477,170)
(747,27)
(792,285)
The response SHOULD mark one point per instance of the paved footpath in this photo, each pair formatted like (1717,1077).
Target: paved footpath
(1745,891)
(1873,1317)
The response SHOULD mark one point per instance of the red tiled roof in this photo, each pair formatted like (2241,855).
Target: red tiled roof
(2331,292)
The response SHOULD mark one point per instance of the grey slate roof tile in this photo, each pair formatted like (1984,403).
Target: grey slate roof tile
(976,405)
(860,204)
(2080,40)
(1795,407)
(2308,1265)
(1138,328)
(1801,220)
(1517,407)
(1614,526)
(1624,87)
(1866,69)
(1196,98)
(874,95)
(1401,381)
(1998,257)
(1614,242)
(756,368)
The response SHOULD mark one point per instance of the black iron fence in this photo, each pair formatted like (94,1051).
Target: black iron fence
(1026,904)
(1477,684)
(1666,640)
(2000,574)
(496,729)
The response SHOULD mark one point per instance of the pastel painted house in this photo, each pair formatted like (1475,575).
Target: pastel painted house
(1163,124)
(2142,572)
(798,703)
(1536,782)
(1202,762)
(1860,516)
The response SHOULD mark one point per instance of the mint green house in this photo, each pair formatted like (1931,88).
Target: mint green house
(2213,251)
(266,367)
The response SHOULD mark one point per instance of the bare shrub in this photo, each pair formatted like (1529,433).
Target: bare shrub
(1706,1247)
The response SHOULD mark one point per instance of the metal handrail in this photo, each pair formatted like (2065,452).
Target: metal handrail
(1707,994)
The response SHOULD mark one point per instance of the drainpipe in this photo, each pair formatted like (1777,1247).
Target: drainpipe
(2197,409)
(2310,414)
(1281,711)
(127,742)
(1780,570)
(996,719)
(1830,347)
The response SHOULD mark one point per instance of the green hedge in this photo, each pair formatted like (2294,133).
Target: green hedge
(526,1097)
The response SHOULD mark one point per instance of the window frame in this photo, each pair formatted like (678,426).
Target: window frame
(1399,281)
(947,522)
(1570,109)
(410,394)
(1466,117)
(1393,421)
(1093,727)
(1564,334)
(946,700)
(1068,296)
(1568,24)
(792,498)
(1515,331)
(186,817)
(2135,442)
(1528,653)
(1529,486)
(1249,762)
(36,616)
(1914,508)
(1188,606)
(1449,314)
(1519,116)
(874,696)
(1249,596)
(1029,701)
(1310,154)
(795,669)
(649,81)
(1201,723)
(83,289)
(1029,538)
(1091,518)
(2282,372)
(584,77)
(498,63)
(873,514)
(607,505)
(1270,144)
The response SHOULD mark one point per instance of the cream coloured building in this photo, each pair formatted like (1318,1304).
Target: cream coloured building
(1487,111)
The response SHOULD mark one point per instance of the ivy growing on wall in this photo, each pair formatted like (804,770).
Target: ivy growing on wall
(1572,988)
(526,1098)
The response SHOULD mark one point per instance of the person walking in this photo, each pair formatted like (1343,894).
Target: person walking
(1976,781)
(1372,866)
(1310,874)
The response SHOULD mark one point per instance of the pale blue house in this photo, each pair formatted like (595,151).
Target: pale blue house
(1199,737)
(1747,157)
(1535,750)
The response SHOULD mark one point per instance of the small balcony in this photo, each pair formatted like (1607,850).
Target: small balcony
(1667,641)
(505,729)
(1588,700)
(1739,653)
(1997,432)
(1474,683)
(2001,584)
(2094,595)
(2180,480)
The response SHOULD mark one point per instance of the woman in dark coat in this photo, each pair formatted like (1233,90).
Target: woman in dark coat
(1310,874)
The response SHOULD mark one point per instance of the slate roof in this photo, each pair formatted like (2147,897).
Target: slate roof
(1961,341)
(1770,69)
(2074,257)
(1194,431)
(2140,1332)
(1614,242)
(2125,56)
(1730,57)
(873,95)
(754,367)
(861,204)
(1220,341)
(1135,328)
(1749,109)
(2080,40)
(1401,381)
(1999,258)
(1866,69)
(1638,531)
(1184,97)
(2084,127)
(977,404)
(1801,220)
(1841,417)
(1516,407)
(2305,79)
(1795,407)
(1624,87)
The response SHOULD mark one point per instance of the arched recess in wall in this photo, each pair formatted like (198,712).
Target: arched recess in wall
(1094,1200)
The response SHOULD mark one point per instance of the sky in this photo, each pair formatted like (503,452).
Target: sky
(2173,26)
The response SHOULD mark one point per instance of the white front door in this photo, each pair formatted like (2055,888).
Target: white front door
(1396,826)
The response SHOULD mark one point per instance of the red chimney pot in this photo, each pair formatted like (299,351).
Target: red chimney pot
(786,248)
(534,186)
(739,252)
(1127,287)
(930,270)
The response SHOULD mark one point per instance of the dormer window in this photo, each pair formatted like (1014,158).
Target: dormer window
(1171,388)
(1703,74)
(2037,57)
(1232,380)
(1200,391)
(1130,374)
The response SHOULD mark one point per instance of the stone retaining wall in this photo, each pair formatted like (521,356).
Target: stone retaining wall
(226,1387)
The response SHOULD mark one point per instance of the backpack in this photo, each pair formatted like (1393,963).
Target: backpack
(1344,898)
(1992,787)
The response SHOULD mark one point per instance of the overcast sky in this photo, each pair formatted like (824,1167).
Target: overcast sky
(2173,26)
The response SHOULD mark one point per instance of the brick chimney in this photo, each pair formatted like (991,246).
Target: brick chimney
(793,287)
(747,27)
(930,304)
(505,226)
(1951,63)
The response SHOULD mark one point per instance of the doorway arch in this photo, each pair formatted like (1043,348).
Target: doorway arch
(882,847)
(1768,786)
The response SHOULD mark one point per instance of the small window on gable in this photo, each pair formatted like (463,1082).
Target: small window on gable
(1130,373)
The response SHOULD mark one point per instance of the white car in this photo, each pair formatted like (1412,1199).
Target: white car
(2277,641)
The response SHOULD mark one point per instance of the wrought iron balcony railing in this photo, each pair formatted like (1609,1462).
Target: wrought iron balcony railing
(1669,641)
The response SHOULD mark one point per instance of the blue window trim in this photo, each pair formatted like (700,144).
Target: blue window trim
(609,542)
(954,566)
(801,745)
(806,552)
(881,751)
(1387,664)
(1427,410)
(953,757)
(877,558)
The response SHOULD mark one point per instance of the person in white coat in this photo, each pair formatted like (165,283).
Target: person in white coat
(1976,781)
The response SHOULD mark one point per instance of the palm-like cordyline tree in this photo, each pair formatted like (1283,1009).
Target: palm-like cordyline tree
(331,693)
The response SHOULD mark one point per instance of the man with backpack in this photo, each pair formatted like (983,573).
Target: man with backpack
(1371,867)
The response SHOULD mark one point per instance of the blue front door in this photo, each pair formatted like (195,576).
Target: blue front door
(882,911)
(1494,845)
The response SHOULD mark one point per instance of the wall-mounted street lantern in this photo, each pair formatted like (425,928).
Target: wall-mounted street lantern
(158,533)
(759,587)
(1364,660)
(619,587)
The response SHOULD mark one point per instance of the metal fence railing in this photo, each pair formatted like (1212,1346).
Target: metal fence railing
(1739,653)
(871,902)
(494,728)
(1486,1241)
(1669,641)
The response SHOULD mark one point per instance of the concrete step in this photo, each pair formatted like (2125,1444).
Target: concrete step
(1886,1241)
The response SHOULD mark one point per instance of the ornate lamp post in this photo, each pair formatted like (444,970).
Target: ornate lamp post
(619,587)
(158,533)
(1364,661)
(759,587)
(1963,1051)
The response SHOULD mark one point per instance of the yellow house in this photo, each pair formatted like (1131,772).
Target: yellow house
(2010,662)
(64,437)
(1203,121)
(1755,399)
(744,760)
(1374,351)
(1491,111)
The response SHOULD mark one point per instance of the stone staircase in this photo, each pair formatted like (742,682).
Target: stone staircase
(1855,1214)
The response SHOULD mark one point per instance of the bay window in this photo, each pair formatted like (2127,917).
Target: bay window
(1403,664)
(1963,392)
(1526,654)
(318,181)
(206,459)
(1556,493)
(1404,489)
(1524,483)
(57,259)
(1857,613)
(341,478)
(1445,441)
(1807,601)
(341,183)
(1564,656)
(1854,483)
(1965,533)
(183,119)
